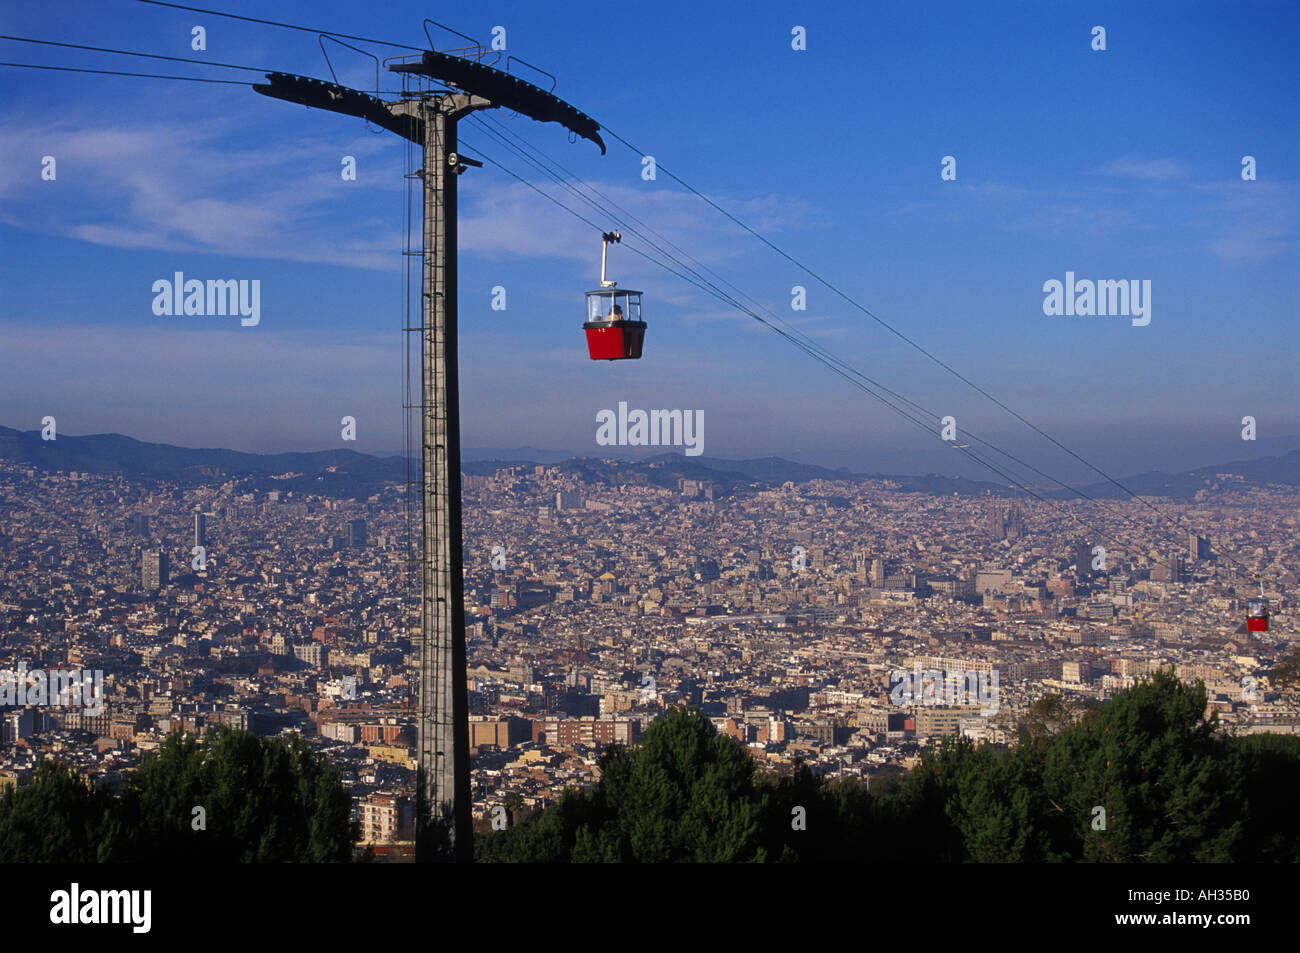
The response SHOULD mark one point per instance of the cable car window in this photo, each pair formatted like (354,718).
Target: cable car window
(632,307)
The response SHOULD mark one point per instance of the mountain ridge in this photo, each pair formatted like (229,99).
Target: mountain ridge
(353,473)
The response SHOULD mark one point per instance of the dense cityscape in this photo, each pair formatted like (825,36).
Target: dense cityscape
(843,624)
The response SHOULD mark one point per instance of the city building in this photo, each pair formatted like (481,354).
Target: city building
(154,569)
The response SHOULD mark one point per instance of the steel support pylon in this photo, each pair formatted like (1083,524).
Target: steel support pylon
(443,693)
(430,120)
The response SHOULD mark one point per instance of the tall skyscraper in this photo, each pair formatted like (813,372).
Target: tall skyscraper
(201,529)
(140,524)
(154,569)
(1198,548)
(1082,560)
(356,533)
(878,573)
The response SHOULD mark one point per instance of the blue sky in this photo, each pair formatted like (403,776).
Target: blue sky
(1118,164)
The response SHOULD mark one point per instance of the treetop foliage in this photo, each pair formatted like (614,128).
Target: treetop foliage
(261,799)
(1145,777)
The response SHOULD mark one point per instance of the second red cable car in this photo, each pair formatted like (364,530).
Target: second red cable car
(1257,615)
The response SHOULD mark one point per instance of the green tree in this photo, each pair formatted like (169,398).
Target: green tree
(59,817)
(1050,715)
(262,800)
(1157,767)
(686,794)
(1269,769)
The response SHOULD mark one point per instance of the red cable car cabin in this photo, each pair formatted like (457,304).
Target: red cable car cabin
(1257,615)
(614,327)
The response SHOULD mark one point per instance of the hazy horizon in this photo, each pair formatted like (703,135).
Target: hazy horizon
(1252,450)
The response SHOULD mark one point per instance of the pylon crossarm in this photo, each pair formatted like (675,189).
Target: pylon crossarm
(340,99)
(505,91)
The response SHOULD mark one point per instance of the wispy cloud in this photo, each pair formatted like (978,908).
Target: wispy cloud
(205,189)
(1151,170)
(1087,221)
(1255,221)
(513,220)
(1235,222)
(190,189)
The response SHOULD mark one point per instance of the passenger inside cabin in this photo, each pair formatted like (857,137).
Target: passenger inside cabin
(616,314)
